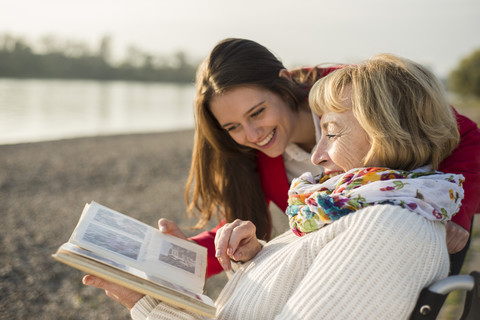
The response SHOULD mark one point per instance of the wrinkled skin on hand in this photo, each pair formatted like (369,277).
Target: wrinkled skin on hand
(457,237)
(236,241)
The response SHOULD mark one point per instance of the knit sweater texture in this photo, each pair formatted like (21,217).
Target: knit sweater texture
(368,265)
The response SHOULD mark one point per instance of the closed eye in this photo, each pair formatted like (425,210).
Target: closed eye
(232,128)
(257,113)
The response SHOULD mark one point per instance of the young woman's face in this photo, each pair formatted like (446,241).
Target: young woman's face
(256,118)
(343,144)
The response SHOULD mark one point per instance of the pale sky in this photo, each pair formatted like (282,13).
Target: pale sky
(437,33)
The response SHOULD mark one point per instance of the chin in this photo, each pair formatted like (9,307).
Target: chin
(269,154)
(273,151)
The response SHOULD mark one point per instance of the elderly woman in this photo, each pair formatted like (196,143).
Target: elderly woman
(378,215)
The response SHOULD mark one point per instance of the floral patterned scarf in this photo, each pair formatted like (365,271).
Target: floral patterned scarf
(317,201)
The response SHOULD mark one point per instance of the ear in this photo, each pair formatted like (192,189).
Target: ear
(285,74)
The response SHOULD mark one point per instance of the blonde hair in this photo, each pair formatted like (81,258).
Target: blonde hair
(400,104)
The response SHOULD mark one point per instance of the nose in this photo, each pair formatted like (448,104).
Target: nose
(252,133)
(319,154)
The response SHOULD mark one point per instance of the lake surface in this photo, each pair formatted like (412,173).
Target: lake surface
(38,110)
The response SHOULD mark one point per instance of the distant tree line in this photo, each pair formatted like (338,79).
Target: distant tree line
(53,58)
(465,79)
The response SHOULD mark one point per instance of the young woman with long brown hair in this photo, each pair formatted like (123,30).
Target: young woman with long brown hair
(254,134)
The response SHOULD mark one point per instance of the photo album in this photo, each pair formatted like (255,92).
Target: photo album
(125,251)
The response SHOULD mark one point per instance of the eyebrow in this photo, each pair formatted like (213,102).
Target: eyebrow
(246,113)
(325,124)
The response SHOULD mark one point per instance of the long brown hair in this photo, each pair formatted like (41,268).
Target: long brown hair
(223,176)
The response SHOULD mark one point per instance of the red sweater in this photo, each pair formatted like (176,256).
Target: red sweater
(465,159)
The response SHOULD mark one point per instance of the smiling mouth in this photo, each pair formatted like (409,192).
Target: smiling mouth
(267,139)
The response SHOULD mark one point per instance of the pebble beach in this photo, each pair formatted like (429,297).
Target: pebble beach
(43,189)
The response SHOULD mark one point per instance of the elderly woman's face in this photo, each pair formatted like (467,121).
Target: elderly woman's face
(343,144)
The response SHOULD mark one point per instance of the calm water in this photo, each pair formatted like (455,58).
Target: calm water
(36,110)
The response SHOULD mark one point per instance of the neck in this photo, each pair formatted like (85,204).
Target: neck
(304,135)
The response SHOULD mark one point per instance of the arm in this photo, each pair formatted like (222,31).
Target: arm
(244,243)
(402,252)
(140,306)
(275,187)
(207,239)
(152,309)
(465,159)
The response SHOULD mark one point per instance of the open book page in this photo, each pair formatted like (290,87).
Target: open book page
(129,242)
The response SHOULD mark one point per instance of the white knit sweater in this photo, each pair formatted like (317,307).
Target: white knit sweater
(371,264)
